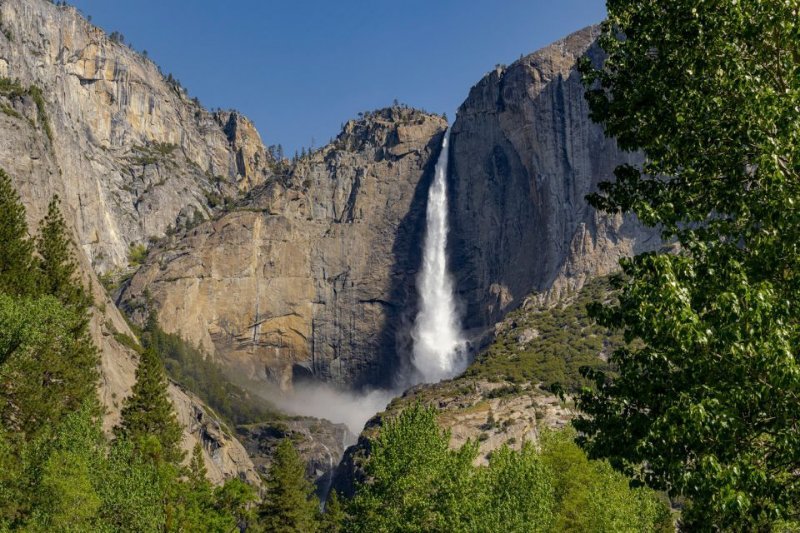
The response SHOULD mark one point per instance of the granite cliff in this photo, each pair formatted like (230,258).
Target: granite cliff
(124,146)
(524,156)
(310,276)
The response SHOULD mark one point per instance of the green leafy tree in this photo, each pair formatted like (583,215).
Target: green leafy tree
(17,272)
(415,481)
(56,261)
(705,403)
(64,473)
(517,491)
(289,504)
(592,497)
(131,490)
(12,486)
(148,419)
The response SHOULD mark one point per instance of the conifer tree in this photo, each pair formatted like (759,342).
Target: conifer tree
(148,414)
(197,469)
(333,519)
(16,248)
(56,262)
(194,506)
(289,505)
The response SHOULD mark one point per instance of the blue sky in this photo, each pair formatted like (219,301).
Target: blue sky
(301,68)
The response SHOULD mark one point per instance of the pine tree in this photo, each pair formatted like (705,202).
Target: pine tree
(333,519)
(148,419)
(235,499)
(194,506)
(289,505)
(56,262)
(16,248)
(197,470)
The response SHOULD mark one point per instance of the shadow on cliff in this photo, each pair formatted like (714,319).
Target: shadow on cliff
(519,220)
(394,370)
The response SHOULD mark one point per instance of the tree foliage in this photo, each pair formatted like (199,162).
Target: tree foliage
(148,419)
(289,503)
(16,247)
(333,519)
(705,404)
(57,268)
(416,483)
(47,363)
(58,472)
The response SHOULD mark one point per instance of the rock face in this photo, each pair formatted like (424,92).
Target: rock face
(524,156)
(312,274)
(128,150)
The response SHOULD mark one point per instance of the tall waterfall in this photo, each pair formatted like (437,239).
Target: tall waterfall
(439,346)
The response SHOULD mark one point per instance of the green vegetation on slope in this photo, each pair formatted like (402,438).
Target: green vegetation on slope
(197,372)
(12,88)
(549,345)
(58,472)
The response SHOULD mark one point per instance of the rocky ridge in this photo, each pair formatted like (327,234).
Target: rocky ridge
(320,443)
(127,150)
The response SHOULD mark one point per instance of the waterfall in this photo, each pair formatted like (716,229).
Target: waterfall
(439,346)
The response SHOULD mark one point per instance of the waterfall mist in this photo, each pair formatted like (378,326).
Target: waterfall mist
(352,408)
(439,345)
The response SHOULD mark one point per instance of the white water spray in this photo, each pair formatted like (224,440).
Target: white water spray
(439,346)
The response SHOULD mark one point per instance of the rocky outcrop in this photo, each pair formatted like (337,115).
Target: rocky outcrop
(311,275)
(524,156)
(321,444)
(493,414)
(127,149)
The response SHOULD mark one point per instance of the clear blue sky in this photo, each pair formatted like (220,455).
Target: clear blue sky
(300,68)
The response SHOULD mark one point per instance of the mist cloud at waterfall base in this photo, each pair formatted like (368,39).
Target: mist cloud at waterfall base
(319,400)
